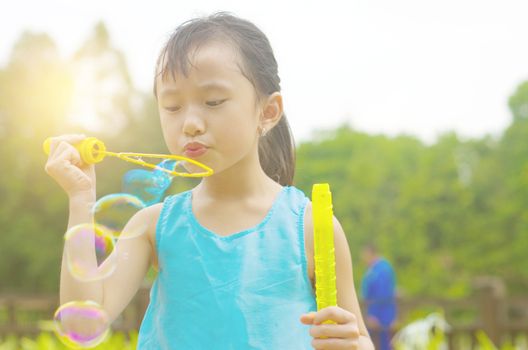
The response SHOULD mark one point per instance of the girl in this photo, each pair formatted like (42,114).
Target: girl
(234,254)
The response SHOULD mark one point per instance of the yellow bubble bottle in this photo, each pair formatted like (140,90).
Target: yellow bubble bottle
(324,252)
(93,150)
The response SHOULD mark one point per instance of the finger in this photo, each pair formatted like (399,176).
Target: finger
(343,331)
(61,169)
(67,152)
(334,313)
(64,156)
(335,344)
(308,318)
(69,138)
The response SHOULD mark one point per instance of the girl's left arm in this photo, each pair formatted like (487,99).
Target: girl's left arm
(349,330)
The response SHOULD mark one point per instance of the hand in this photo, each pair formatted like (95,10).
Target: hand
(342,335)
(66,167)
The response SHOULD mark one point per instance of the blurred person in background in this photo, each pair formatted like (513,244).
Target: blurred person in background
(378,290)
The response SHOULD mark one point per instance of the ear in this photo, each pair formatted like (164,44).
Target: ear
(271,112)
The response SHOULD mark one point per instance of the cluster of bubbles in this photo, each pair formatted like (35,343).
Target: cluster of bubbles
(85,324)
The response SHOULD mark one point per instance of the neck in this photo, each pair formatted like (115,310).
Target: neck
(373,260)
(244,179)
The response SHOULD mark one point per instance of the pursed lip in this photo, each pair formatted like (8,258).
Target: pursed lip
(194,149)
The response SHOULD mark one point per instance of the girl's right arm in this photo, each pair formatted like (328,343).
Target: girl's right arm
(133,255)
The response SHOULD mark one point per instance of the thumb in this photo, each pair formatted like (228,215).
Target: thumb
(308,318)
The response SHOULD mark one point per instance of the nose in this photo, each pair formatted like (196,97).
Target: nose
(193,124)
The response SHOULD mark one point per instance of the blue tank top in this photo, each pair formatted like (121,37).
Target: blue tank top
(242,291)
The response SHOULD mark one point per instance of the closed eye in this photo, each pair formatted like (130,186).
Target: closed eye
(172,109)
(215,103)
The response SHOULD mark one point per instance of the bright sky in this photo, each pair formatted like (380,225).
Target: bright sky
(408,66)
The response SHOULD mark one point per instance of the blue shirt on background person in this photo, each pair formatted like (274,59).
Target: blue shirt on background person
(378,289)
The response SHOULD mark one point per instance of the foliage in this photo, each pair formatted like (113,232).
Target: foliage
(450,211)
(441,213)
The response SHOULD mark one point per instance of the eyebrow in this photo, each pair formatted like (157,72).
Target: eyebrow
(209,85)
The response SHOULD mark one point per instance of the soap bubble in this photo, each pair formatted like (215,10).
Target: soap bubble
(81,324)
(168,164)
(90,252)
(144,185)
(114,210)
(149,186)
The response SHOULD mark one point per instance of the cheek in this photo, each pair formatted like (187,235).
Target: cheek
(170,135)
(240,123)
(237,136)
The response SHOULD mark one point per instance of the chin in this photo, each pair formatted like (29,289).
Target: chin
(192,169)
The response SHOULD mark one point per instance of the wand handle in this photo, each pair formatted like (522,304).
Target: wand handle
(91,149)
(324,256)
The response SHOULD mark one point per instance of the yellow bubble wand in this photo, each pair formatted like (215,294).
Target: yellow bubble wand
(324,256)
(93,150)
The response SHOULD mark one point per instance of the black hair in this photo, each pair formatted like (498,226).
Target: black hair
(277,147)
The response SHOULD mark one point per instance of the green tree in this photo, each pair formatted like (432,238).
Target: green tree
(35,92)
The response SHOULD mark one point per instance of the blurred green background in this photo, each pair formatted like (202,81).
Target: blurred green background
(442,213)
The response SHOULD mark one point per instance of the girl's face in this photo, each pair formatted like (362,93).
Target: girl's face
(211,115)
